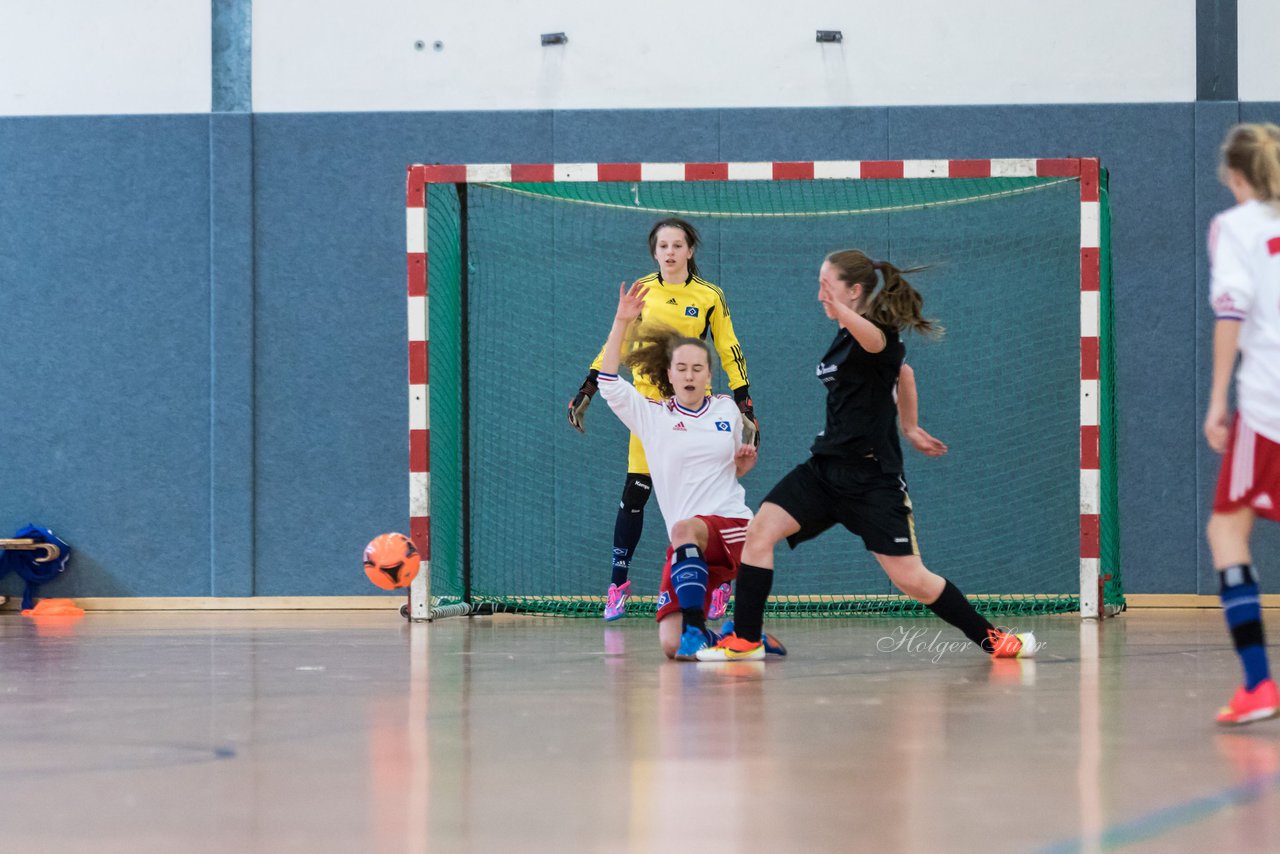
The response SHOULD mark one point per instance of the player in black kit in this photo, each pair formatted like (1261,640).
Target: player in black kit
(854,475)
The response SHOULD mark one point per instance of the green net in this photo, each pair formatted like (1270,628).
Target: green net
(1109,532)
(444,277)
(540,265)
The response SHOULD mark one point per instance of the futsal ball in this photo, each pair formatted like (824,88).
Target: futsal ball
(391,561)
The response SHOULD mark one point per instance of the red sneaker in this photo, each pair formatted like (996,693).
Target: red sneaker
(1006,645)
(733,648)
(1248,706)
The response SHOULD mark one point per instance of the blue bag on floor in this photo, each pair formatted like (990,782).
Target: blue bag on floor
(23,562)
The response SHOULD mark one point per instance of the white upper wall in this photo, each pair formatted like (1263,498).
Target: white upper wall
(336,55)
(86,57)
(1259,47)
(69,57)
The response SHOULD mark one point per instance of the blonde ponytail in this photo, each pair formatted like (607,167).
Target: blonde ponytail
(1267,164)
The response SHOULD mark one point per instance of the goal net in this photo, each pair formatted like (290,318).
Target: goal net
(520,267)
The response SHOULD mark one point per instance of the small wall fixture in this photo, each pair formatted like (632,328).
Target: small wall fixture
(830,36)
(554,38)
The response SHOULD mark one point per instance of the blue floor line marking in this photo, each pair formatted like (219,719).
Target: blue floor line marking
(1163,820)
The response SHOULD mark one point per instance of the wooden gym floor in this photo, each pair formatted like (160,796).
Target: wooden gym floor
(320,731)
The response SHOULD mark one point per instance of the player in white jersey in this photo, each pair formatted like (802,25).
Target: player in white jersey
(1244,255)
(696,453)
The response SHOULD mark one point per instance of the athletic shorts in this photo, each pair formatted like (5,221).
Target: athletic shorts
(636,461)
(1250,474)
(821,492)
(723,554)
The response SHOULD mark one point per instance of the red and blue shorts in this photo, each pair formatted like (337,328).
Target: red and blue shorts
(723,553)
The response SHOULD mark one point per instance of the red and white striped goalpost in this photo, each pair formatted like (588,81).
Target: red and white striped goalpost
(1085,170)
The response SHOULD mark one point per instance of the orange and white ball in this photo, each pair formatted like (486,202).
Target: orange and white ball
(391,561)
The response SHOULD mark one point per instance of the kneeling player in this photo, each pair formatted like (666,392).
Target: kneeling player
(696,454)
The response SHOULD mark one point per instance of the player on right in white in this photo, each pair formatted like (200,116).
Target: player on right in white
(696,451)
(1244,255)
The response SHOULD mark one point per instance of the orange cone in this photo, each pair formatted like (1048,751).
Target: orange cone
(54,608)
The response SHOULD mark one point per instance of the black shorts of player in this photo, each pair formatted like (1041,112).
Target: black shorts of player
(822,492)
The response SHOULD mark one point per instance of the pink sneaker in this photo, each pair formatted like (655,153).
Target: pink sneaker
(616,605)
(719,602)
(1246,706)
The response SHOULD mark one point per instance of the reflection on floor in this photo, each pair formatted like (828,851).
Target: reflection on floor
(355,731)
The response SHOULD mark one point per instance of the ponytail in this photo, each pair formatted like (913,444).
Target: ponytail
(1266,164)
(897,305)
(1253,150)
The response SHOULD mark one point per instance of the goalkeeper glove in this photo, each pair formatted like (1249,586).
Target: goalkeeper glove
(581,400)
(750,426)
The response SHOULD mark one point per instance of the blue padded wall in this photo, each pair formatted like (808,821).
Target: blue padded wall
(231,354)
(104,365)
(213,311)
(331,431)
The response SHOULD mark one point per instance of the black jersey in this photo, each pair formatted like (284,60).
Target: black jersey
(862,410)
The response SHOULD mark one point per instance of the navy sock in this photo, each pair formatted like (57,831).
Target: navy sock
(1244,618)
(952,606)
(754,584)
(626,535)
(689,578)
(694,618)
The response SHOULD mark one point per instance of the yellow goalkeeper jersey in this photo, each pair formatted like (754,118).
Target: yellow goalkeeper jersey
(692,308)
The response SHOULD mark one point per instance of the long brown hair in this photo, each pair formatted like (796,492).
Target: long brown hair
(691,237)
(653,345)
(1253,150)
(897,304)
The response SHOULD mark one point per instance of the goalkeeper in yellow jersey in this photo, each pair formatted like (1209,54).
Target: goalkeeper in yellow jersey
(679,298)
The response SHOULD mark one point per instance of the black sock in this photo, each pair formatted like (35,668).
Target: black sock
(695,617)
(754,584)
(959,612)
(626,535)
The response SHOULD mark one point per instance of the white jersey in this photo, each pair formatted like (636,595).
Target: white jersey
(690,452)
(1244,256)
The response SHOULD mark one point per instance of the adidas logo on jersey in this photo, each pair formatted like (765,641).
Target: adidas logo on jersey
(680,426)
(672,301)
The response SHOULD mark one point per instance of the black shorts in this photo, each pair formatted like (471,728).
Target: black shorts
(822,492)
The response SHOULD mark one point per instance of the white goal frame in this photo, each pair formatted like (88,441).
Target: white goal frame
(1084,170)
